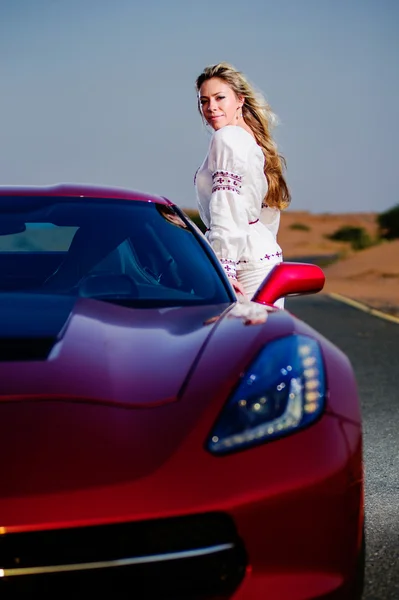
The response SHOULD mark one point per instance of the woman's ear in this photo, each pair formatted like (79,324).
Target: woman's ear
(240,101)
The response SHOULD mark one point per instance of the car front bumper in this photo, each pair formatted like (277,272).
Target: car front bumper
(296,506)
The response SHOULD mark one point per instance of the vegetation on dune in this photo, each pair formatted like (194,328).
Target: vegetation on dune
(358,237)
(299,227)
(354,237)
(388,223)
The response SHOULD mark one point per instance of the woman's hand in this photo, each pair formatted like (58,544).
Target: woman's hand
(238,287)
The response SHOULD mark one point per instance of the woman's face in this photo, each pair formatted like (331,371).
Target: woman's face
(219,104)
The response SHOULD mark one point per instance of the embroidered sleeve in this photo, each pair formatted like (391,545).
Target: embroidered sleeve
(229,227)
(225,181)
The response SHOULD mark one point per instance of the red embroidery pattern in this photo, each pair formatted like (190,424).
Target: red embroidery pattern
(223,180)
(266,257)
(229,266)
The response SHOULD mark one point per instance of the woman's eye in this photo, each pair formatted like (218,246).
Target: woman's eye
(220,97)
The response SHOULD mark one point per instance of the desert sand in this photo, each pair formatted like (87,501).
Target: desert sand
(370,276)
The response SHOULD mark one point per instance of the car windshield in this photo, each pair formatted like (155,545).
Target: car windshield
(133,253)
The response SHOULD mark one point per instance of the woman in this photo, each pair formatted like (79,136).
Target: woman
(240,185)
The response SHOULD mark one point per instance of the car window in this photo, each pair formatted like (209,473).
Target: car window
(128,252)
(38,237)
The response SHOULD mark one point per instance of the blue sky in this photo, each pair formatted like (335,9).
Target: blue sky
(102,91)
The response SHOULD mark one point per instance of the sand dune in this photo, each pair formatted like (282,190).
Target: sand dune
(370,276)
(312,238)
(380,261)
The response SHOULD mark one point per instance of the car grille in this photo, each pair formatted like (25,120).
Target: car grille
(192,557)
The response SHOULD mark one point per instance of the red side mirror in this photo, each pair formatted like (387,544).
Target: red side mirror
(290,279)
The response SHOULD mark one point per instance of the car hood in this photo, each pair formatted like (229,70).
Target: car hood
(117,396)
(92,351)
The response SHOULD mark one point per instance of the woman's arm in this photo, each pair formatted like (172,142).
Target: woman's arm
(229,227)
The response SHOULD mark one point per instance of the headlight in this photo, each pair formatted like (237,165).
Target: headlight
(282,391)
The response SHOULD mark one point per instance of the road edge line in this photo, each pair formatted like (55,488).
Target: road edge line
(364,307)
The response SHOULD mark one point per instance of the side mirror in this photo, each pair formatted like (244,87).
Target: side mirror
(290,279)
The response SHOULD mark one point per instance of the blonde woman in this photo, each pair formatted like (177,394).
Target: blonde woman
(240,185)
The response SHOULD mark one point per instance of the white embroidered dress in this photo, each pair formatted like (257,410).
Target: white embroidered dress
(231,187)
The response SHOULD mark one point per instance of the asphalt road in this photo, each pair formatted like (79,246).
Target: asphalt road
(372,345)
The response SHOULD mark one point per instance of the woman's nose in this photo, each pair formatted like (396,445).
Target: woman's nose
(212,104)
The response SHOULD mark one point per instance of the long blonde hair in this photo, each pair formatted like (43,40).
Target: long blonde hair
(259,117)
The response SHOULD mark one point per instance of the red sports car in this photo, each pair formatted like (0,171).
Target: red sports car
(160,439)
